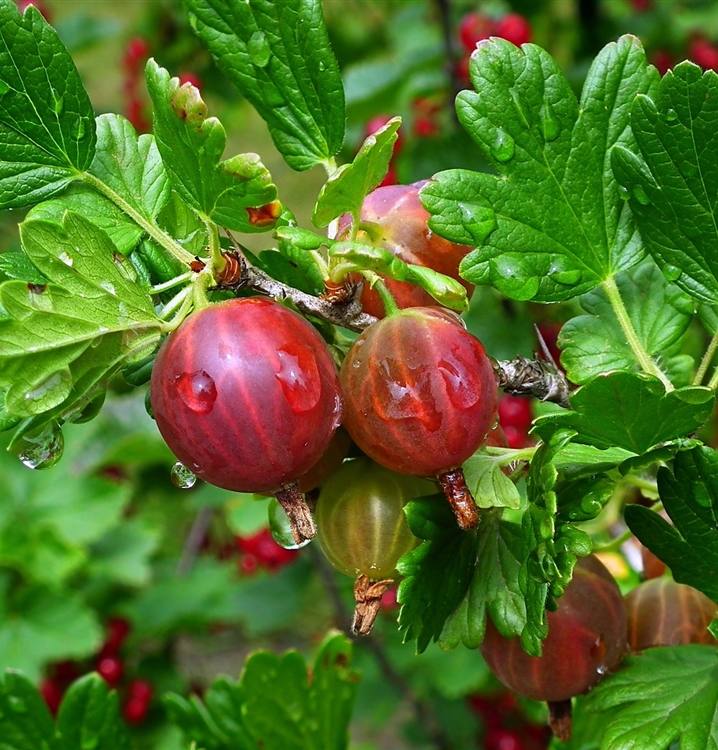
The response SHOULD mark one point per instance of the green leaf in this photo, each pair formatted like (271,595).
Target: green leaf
(130,166)
(488,484)
(47,128)
(275,704)
(552,225)
(277,53)
(123,554)
(670,177)
(43,626)
(89,717)
(65,339)
(25,722)
(237,193)
(456,577)
(345,190)
(664,695)
(611,411)
(357,256)
(85,201)
(19,266)
(690,496)
(660,313)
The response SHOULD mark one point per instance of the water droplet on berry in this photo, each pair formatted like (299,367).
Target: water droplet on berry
(182,477)
(407,394)
(671,115)
(356,363)
(280,528)
(504,146)
(197,390)
(671,272)
(462,386)
(598,652)
(298,377)
(40,449)
(259,50)
(338,412)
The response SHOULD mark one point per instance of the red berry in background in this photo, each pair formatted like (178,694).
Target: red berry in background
(462,70)
(377,123)
(663,60)
(65,672)
(702,52)
(111,669)
(662,612)
(246,395)
(187,76)
(117,629)
(52,692)
(41,7)
(141,690)
(515,411)
(420,396)
(426,113)
(474,27)
(514,28)
(549,333)
(136,52)
(641,6)
(137,702)
(503,739)
(393,218)
(265,551)
(586,640)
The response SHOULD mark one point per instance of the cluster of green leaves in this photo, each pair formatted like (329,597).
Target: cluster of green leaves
(275,703)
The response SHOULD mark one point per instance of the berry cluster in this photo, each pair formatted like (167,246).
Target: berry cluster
(505,725)
(137,693)
(136,54)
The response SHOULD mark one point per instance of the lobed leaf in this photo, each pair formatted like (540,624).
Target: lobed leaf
(552,224)
(47,128)
(662,696)
(670,176)
(237,193)
(689,492)
(611,410)
(277,53)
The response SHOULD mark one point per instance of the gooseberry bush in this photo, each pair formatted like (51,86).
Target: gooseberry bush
(133,275)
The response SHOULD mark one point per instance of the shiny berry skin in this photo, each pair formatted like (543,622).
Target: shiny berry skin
(474,27)
(111,669)
(394,219)
(514,28)
(586,640)
(246,395)
(360,518)
(662,612)
(420,392)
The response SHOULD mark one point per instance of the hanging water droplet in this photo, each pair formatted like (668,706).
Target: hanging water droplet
(549,123)
(624,192)
(322,66)
(182,477)
(671,272)
(40,449)
(258,49)
(504,146)
(641,196)
(671,115)
(197,390)
(279,527)
(4,87)
(17,704)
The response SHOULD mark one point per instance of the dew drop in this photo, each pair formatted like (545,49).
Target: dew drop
(299,377)
(182,477)
(479,221)
(598,652)
(567,277)
(322,66)
(549,123)
(280,528)
(406,393)
(337,412)
(356,363)
(197,390)
(624,192)
(4,87)
(671,272)
(504,146)
(671,115)
(641,196)
(40,449)
(462,386)
(259,50)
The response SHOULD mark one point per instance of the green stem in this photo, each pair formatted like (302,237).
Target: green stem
(160,237)
(387,299)
(641,484)
(707,359)
(642,356)
(172,283)
(713,382)
(215,249)
(619,541)
(506,456)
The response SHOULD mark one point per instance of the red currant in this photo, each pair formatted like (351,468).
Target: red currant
(111,669)
(703,53)
(514,28)
(474,27)
(117,630)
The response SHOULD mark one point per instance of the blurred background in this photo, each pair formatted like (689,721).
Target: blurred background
(106,564)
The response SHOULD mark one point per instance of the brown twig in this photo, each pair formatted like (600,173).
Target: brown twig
(193,542)
(533,377)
